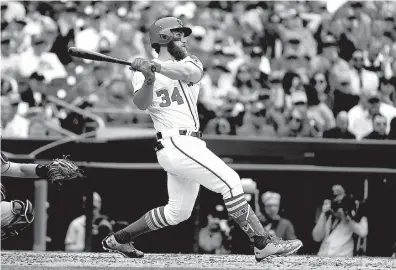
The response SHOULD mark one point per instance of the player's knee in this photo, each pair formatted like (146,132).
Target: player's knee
(233,186)
(175,216)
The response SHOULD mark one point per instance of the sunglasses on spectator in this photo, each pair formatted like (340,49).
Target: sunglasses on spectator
(319,81)
(389,19)
(274,81)
(198,38)
(299,103)
(297,119)
(292,57)
(294,41)
(6,42)
(351,18)
(373,100)
(380,123)
(40,42)
(264,97)
(344,83)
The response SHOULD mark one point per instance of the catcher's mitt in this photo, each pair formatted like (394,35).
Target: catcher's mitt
(63,169)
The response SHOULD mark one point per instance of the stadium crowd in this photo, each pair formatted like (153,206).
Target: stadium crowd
(272,69)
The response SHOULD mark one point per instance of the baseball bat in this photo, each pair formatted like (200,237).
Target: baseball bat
(91,55)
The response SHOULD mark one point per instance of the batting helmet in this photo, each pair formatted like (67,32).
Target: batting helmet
(161,31)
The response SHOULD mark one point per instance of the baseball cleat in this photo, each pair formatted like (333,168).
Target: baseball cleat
(127,250)
(277,247)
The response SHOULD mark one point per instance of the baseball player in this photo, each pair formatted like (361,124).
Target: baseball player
(168,88)
(16,215)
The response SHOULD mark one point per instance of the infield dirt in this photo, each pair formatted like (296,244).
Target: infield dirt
(62,260)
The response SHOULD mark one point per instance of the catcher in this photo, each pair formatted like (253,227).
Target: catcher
(16,215)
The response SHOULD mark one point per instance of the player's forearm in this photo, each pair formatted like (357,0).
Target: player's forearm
(144,96)
(318,232)
(21,170)
(181,71)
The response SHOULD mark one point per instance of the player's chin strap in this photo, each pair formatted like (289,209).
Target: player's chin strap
(23,216)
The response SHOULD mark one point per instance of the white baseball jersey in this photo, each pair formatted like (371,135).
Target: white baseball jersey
(174,102)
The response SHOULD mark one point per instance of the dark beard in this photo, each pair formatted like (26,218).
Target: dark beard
(177,52)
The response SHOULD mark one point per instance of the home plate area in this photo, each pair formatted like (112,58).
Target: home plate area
(62,260)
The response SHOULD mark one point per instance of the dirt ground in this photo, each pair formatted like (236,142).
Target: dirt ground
(61,260)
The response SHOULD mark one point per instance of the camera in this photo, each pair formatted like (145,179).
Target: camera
(347,204)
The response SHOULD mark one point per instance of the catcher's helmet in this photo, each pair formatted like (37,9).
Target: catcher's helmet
(160,31)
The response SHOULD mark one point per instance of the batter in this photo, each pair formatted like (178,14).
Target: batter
(168,88)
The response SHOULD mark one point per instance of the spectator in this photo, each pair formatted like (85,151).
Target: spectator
(298,126)
(341,130)
(90,37)
(40,60)
(360,116)
(295,37)
(320,83)
(213,238)
(392,132)
(215,84)
(321,116)
(329,60)
(75,237)
(362,80)
(262,119)
(387,90)
(9,59)
(344,98)
(379,126)
(277,92)
(13,124)
(229,116)
(271,220)
(339,220)
(67,24)
(317,110)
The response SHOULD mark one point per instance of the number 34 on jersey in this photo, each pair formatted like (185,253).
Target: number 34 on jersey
(167,99)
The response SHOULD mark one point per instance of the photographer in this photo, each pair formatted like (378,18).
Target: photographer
(339,220)
(271,220)
(212,239)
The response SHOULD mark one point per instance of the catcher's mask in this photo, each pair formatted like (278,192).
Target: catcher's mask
(23,216)
(161,31)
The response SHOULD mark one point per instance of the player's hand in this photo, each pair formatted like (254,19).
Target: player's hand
(138,63)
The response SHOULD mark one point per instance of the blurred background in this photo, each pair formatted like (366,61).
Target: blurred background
(302,82)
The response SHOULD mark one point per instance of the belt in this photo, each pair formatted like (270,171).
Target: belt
(197,134)
(159,146)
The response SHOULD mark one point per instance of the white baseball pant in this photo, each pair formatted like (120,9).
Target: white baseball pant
(189,164)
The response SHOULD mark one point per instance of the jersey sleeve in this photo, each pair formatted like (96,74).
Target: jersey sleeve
(5,163)
(137,81)
(193,59)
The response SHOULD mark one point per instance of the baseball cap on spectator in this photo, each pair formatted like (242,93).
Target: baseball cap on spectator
(356,4)
(329,40)
(275,77)
(70,7)
(104,46)
(256,52)
(264,94)
(217,64)
(270,198)
(37,76)
(298,98)
(5,37)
